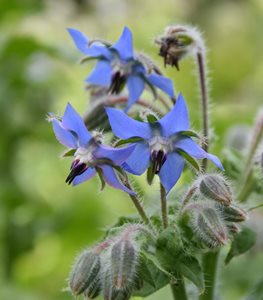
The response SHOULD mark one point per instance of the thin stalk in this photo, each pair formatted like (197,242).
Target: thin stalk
(204,100)
(245,182)
(138,204)
(210,263)
(164,206)
(178,289)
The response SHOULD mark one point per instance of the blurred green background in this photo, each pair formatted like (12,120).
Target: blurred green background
(43,222)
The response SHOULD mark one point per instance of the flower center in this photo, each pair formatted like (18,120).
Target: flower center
(160,147)
(83,160)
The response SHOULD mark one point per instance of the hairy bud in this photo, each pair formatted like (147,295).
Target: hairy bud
(84,271)
(124,259)
(233,228)
(94,289)
(233,213)
(208,223)
(214,186)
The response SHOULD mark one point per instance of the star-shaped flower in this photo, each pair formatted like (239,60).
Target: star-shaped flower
(161,143)
(91,156)
(117,65)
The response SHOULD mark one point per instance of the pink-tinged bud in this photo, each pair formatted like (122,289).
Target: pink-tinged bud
(84,271)
(215,187)
(233,213)
(233,228)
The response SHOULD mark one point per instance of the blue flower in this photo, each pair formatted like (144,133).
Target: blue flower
(161,143)
(117,65)
(90,155)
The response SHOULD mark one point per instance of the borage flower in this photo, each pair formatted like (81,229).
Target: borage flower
(117,65)
(91,156)
(161,143)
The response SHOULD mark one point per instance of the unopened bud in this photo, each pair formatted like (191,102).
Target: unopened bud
(214,186)
(212,227)
(124,258)
(233,228)
(233,213)
(208,223)
(84,271)
(110,293)
(94,289)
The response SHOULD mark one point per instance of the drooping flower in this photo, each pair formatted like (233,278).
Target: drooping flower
(161,143)
(91,156)
(117,65)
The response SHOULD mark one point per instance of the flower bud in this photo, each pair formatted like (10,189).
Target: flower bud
(233,213)
(124,259)
(212,228)
(208,223)
(233,228)
(84,271)
(215,187)
(94,289)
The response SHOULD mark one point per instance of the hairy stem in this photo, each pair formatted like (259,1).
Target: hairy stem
(178,289)
(163,206)
(202,73)
(246,181)
(138,204)
(210,263)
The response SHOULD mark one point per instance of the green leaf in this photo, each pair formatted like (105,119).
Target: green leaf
(68,153)
(150,174)
(242,242)
(190,159)
(128,141)
(102,181)
(151,118)
(190,268)
(189,133)
(153,276)
(257,291)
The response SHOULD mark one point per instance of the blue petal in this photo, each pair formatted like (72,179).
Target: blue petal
(82,43)
(215,160)
(190,147)
(163,83)
(124,45)
(125,127)
(117,155)
(194,150)
(89,173)
(176,120)
(72,121)
(111,178)
(135,86)
(101,74)
(139,160)
(64,136)
(171,171)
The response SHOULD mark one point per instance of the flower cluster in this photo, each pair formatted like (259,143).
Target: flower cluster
(137,259)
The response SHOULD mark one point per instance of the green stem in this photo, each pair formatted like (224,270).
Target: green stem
(204,100)
(164,206)
(246,181)
(178,289)
(138,205)
(210,263)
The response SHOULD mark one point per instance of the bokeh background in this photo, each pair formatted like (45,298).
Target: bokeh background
(43,222)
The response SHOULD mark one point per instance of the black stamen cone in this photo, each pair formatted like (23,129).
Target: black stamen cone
(76,170)
(117,83)
(158,158)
